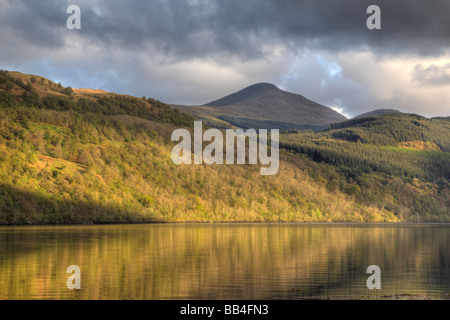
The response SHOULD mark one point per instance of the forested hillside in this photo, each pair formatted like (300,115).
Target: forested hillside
(398,156)
(406,146)
(85,156)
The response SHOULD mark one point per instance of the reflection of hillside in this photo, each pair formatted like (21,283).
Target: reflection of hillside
(220,261)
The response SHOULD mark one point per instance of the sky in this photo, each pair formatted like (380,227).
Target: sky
(197,51)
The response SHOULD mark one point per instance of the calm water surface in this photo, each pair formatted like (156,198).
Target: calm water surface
(225,261)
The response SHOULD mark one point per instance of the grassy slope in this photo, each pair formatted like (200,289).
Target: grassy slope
(95,160)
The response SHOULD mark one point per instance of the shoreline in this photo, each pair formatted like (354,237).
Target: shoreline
(362,223)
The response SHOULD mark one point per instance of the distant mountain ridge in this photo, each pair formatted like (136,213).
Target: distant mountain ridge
(375,113)
(264,104)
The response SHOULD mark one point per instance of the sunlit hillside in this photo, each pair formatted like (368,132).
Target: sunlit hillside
(70,156)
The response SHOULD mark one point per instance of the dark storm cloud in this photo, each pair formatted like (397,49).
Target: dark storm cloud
(247,29)
(197,29)
(36,22)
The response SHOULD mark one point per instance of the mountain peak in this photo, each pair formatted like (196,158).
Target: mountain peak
(254,91)
(262,86)
(272,106)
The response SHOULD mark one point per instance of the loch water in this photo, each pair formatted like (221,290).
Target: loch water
(226,261)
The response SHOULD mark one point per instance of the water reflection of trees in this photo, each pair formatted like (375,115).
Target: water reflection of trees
(220,261)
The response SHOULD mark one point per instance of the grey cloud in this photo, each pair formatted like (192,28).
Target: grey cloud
(181,29)
(35,22)
(247,28)
(432,75)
